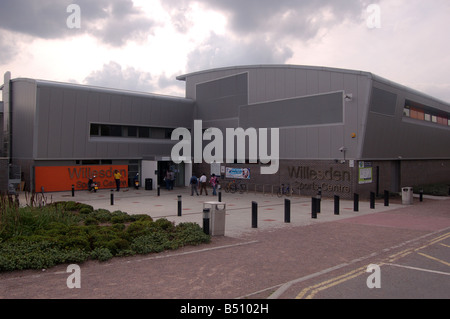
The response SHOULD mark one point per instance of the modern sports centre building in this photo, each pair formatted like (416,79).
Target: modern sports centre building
(341,130)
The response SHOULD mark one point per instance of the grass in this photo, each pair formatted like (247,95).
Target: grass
(433,189)
(69,232)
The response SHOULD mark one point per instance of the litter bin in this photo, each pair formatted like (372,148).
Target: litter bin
(149,184)
(407,196)
(217,217)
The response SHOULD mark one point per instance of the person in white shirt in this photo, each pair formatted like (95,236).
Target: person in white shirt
(203,184)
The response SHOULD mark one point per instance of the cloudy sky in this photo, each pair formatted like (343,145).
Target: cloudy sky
(143,45)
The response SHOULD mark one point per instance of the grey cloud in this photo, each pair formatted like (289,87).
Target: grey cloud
(300,19)
(113,75)
(113,21)
(220,51)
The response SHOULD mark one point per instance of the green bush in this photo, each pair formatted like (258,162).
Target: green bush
(70,232)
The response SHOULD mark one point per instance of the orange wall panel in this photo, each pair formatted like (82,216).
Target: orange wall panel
(61,178)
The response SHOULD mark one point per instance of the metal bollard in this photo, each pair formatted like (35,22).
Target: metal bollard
(314,208)
(220,196)
(206,217)
(112,197)
(356,202)
(421,195)
(372,200)
(73,190)
(179,206)
(336,204)
(386,198)
(254,215)
(159,190)
(319,199)
(287,211)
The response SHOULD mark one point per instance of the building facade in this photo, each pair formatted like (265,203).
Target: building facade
(342,131)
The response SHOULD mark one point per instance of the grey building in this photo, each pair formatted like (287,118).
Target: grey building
(340,130)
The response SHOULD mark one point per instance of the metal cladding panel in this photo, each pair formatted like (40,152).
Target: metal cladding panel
(390,135)
(65,113)
(221,98)
(23,110)
(313,110)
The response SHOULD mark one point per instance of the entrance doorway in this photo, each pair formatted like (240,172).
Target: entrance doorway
(177,169)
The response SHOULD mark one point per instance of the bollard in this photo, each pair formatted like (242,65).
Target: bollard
(372,200)
(421,195)
(356,202)
(206,215)
(314,208)
(319,200)
(386,198)
(254,215)
(73,190)
(179,206)
(220,196)
(336,204)
(112,197)
(159,191)
(287,211)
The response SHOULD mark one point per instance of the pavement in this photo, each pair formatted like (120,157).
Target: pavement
(325,257)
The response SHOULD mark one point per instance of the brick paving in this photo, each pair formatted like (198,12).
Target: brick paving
(250,263)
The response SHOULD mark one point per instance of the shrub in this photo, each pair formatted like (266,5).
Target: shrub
(69,232)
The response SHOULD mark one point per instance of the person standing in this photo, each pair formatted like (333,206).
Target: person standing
(203,184)
(214,181)
(117,177)
(194,183)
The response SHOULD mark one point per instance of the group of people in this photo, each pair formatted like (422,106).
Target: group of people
(202,183)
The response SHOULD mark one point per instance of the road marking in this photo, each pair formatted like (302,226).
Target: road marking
(435,259)
(315,289)
(420,269)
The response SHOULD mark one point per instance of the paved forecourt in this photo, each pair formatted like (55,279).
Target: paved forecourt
(238,220)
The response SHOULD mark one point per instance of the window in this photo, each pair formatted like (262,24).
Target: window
(406,111)
(421,112)
(144,132)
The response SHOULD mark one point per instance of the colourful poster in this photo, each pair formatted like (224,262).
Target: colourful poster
(237,173)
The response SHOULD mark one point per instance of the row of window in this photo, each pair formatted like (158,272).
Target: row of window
(414,111)
(107,130)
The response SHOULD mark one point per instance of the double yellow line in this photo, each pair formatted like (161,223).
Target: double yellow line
(312,291)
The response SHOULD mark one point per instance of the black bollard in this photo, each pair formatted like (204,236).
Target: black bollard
(336,204)
(386,198)
(254,215)
(220,196)
(287,211)
(179,206)
(73,190)
(112,197)
(421,195)
(206,216)
(159,191)
(356,202)
(314,208)
(372,200)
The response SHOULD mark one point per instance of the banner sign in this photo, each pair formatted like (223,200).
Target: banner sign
(237,173)
(365,173)
(61,178)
